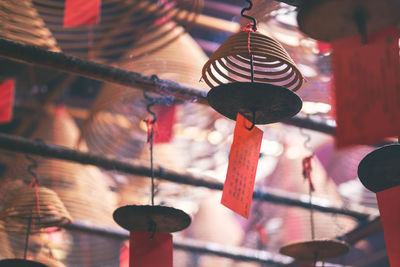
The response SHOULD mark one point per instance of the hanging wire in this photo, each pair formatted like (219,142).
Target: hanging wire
(31,170)
(307,175)
(150,139)
(254,28)
(32,167)
(151,126)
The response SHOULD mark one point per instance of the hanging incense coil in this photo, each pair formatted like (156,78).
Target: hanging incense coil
(316,250)
(113,127)
(294,223)
(122,24)
(20,22)
(84,190)
(22,205)
(78,186)
(272,64)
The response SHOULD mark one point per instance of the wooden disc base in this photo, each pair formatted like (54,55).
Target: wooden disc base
(270,103)
(20,263)
(315,250)
(143,218)
(380,169)
(334,19)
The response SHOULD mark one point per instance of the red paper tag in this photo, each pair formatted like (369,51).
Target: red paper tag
(165,123)
(124,256)
(323,48)
(81,12)
(150,252)
(242,167)
(388,201)
(6,100)
(367,85)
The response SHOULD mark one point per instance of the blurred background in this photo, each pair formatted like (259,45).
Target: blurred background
(173,39)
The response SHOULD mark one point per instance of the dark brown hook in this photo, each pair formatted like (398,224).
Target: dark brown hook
(249,17)
(360,19)
(253,121)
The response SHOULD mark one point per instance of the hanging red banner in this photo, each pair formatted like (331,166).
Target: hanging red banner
(148,251)
(242,167)
(6,100)
(81,12)
(390,217)
(367,88)
(165,123)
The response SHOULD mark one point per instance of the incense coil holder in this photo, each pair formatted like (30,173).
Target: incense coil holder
(151,218)
(380,169)
(22,205)
(272,64)
(315,250)
(20,263)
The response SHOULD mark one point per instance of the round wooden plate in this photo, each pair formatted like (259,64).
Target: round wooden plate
(20,263)
(328,20)
(141,218)
(380,169)
(270,103)
(315,250)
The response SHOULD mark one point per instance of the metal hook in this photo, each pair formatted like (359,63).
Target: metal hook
(152,102)
(32,167)
(253,121)
(152,228)
(360,19)
(249,17)
(306,143)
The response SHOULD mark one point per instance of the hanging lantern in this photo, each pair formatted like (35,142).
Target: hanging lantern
(252,74)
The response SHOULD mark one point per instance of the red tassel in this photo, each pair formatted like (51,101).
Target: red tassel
(307,168)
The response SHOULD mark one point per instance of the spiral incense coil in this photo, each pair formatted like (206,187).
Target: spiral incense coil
(79,187)
(272,64)
(20,22)
(5,251)
(22,205)
(113,127)
(123,24)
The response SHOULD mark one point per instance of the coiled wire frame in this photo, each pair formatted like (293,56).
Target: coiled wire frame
(272,64)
